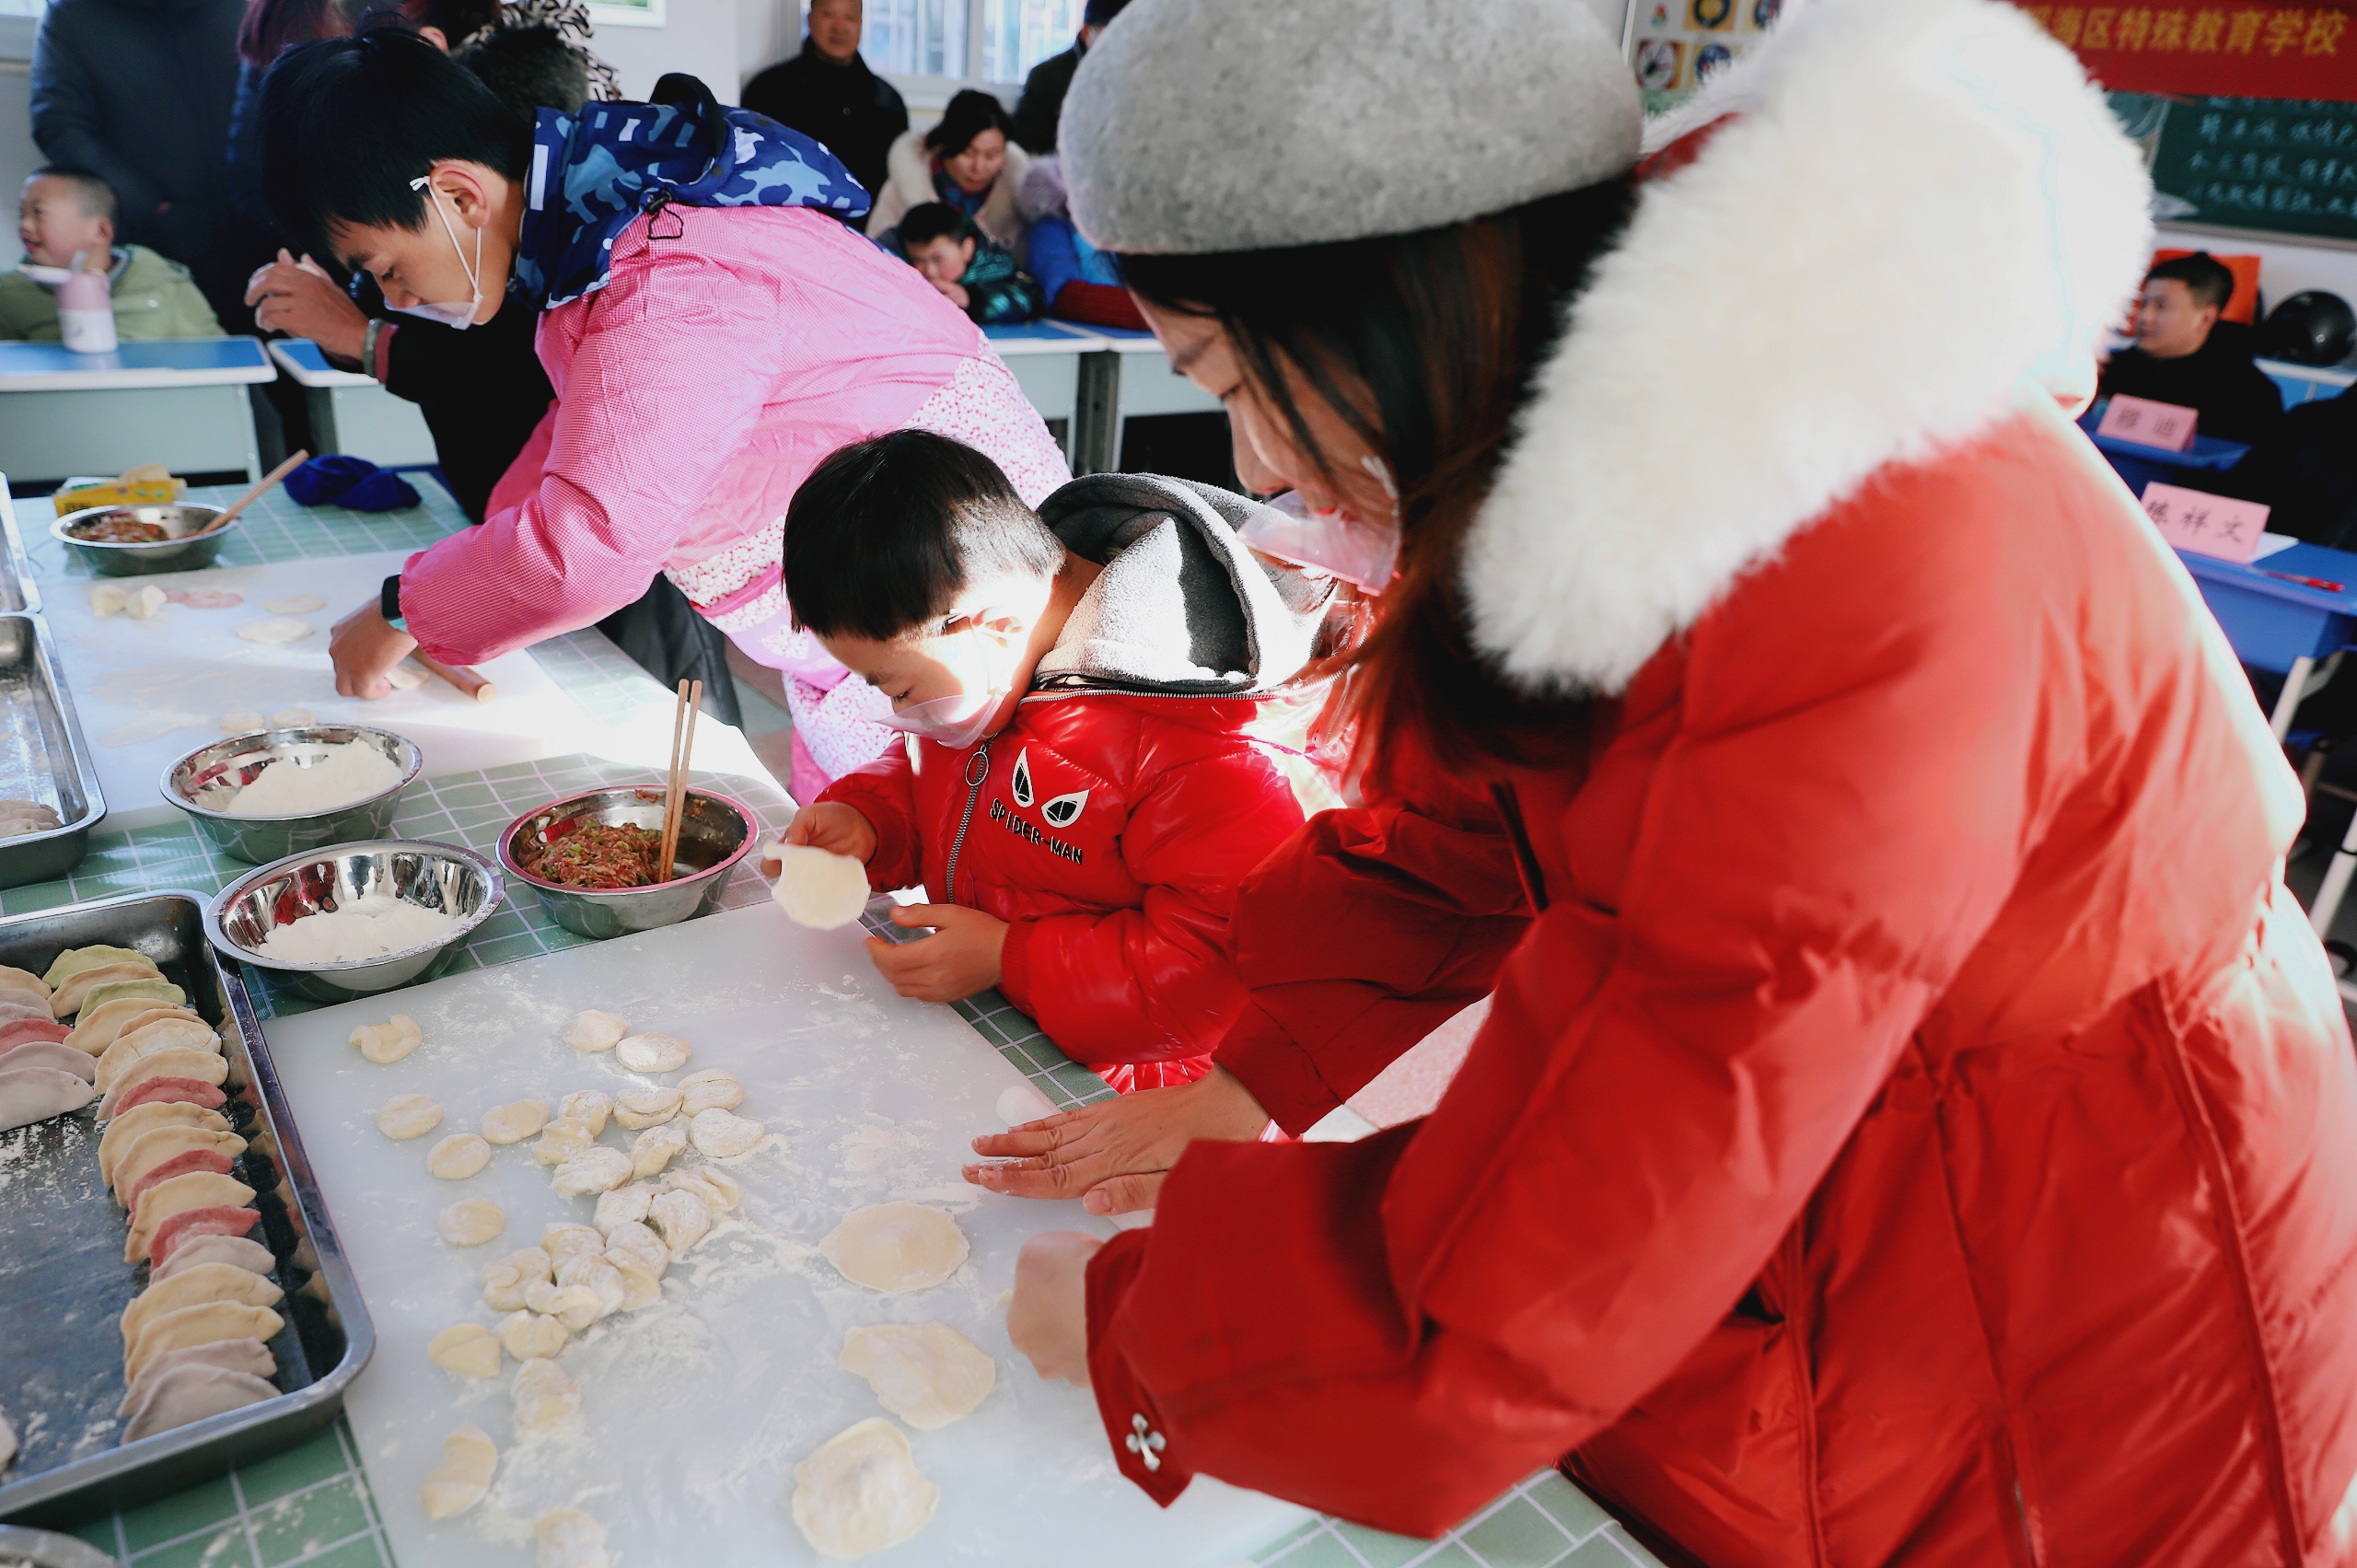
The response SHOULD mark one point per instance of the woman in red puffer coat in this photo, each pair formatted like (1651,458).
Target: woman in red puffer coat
(1915,1125)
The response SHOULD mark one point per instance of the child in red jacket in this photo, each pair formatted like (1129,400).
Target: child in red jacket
(1077,789)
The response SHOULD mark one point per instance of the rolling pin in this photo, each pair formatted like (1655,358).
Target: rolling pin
(466,681)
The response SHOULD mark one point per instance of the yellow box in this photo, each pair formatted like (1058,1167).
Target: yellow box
(143,493)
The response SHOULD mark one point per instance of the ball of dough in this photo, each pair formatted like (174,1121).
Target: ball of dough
(654,1053)
(108,598)
(566,1242)
(275,629)
(408,1116)
(530,1336)
(588,1108)
(459,1482)
(623,1205)
(653,1149)
(640,1248)
(721,1134)
(641,1108)
(543,1395)
(471,1222)
(714,1089)
(817,888)
(569,1538)
(595,1170)
(242,720)
(576,1306)
(714,1186)
(468,1349)
(514,1123)
(144,602)
(561,1140)
(895,1247)
(860,1492)
(505,1281)
(682,1218)
(457,1156)
(388,1042)
(292,719)
(592,1272)
(595,1031)
(927,1373)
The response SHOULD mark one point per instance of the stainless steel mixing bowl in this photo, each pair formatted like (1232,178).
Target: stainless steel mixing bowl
(204,783)
(716,833)
(177,553)
(436,875)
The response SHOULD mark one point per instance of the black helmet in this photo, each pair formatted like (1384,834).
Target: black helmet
(2310,328)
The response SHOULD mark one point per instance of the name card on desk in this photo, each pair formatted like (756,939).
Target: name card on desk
(2148,423)
(2206,525)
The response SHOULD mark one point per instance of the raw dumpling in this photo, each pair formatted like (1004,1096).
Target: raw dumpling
(170,1033)
(74,960)
(470,1350)
(198,1190)
(67,1000)
(714,1089)
(295,604)
(35,1094)
(715,1186)
(588,1107)
(595,1170)
(164,1087)
(576,1306)
(564,1241)
(238,1251)
(683,1219)
(275,629)
(125,1131)
(561,1140)
(721,1134)
(174,1149)
(200,1066)
(640,1248)
(544,1395)
(248,1357)
(592,1272)
(514,1123)
(193,1224)
(570,1539)
(861,1492)
(95,1028)
(657,1147)
(644,1107)
(594,1032)
(155,991)
(654,1053)
(927,1373)
(459,1482)
(144,603)
(194,1287)
(387,1041)
(47,1053)
(820,889)
(506,1282)
(623,1205)
(531,1336)
(457,1156)
(895,1247)
(197,1325)
(191,1393)
(471,1222)
(408,1116)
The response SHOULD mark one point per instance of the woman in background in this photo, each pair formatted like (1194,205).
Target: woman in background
(968,159)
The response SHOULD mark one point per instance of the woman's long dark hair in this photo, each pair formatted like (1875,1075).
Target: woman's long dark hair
(970,113)
(1424,344)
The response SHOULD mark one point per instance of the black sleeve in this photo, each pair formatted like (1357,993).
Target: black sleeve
(1042,102)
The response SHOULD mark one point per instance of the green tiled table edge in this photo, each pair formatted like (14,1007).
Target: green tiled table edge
(273,528)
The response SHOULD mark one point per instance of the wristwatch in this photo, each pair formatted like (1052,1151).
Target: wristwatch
(388,603)
(368,348)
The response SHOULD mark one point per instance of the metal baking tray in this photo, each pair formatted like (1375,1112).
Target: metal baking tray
(43,756)
(17,590)
(64,1284)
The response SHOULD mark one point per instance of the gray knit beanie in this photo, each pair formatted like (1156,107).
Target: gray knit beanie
(1204,125)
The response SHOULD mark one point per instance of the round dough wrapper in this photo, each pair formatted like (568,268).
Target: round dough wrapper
(459,1482)
(1023,1104)
(532,1336)
(292,719)
(623,1205)
(724,1134)
(295,604)
(514,1123)
(595,1170)
(273,628)
(544,1395)
(457,1156)
(588,1107)
(564,1241)
(240,721)
(473,1351)
(569,1538)
(860,1492)
(715,1186)
(388,1042)
(641,1108)
(561,1140)
(820,889)
(657,1147)
(714,1089)
(895,1247)
(408,1116)
(927,1373)
(654,1053)
(594,1032)
(506,1280)
(683,1219)
(471,1222)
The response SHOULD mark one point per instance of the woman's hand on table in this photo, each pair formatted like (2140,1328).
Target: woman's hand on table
(961,957)
(1047,1319)
(366,646)
(298,299)
(1112,1155)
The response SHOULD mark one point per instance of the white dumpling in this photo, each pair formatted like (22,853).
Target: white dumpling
(640,1109)
(566,1242)
(714,1089)
(459,1482)
(532,1336)
(506,1280)
(544,1395)
(594,1032)
(657,1147)
(654,1053)
(35,1094)
(561,1140)
(724,1134)
(623,1205)
(714,1186)
(595,1170)
(388,1042)
(683,1219)
(588,1107)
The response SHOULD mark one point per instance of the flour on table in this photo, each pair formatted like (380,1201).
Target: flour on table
(276,629)
(139,731)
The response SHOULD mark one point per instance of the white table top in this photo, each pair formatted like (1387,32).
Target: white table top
(1043,338)
(160,362)
(302,359)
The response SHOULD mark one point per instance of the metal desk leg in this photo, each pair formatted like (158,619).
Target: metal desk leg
(2336,883)
(1097,415)
(2294,688)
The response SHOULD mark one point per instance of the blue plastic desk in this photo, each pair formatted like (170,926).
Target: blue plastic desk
(179,401)
(2138,465)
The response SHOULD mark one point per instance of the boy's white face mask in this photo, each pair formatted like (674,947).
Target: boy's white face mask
(961,718)
(458,318)
(1364,553)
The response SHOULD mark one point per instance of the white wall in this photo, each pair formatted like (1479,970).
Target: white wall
(18,155)
(702,38)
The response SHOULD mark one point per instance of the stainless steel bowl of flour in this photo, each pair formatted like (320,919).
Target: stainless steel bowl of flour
(208,782)
(442,890)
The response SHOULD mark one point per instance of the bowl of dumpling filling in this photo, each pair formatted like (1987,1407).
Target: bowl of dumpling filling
(272,793)
(130,541)
(347,922)
(591,858)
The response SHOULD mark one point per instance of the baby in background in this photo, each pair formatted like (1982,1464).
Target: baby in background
(976,275)
(65,222)
(1077,792)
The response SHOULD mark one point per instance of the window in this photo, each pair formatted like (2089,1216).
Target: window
(1019,34)
(916,37)
(960,40)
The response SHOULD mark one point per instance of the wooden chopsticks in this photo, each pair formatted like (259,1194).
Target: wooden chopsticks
(675,800)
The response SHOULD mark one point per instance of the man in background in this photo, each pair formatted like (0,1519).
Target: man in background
(828,93)
(2185,354)
(1043,90)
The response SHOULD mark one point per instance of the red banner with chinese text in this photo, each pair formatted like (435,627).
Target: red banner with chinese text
(2214,47)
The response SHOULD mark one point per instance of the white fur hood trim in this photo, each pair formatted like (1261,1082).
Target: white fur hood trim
(1923,208)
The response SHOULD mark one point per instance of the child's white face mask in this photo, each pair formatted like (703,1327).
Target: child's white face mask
(961,718)
(458,318)
(1364,553)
